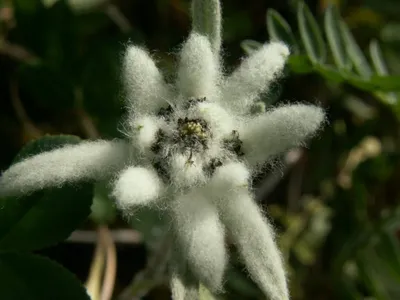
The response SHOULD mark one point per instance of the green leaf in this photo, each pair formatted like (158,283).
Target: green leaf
(380,68)
(240,284)
(103,208)
(279,30)
(206,16)
(250,46)
(360,82)
(45,217)
(311,34)
(334,36)
(347,289)
(375,275)
(300,64)
(390,33)
(377,58)
(151,224)
(389,249)
(26,276)
(357,57)
(330,73)
(386,83)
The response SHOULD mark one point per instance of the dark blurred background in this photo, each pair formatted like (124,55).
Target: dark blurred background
(335,204)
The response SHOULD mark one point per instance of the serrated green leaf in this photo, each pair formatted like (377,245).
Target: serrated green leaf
(206,16)
(250,46)
(26,276)
(335,40)
(279,30)
(45,217)
(357,57)
(311,34)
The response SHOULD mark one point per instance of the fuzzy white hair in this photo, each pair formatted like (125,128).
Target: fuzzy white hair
(193,146)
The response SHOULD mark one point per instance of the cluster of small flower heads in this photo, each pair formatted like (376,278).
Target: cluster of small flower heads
(191,135)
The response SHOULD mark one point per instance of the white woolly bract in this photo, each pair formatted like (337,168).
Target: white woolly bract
(183,284)
(87,160)
(144,130)
(177,287)
(254,239)
(206,16)
(200,235)
(250,231)
(254,76)
(218,118)
(186,142)
(145,87)
(186,173)
(136,186)
(278,130)
(229,178)
(198,72)
(180,291)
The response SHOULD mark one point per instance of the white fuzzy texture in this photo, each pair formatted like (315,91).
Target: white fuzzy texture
(218,118)
(180,291)
(201,205)
(185,174)
(229,178)
(183,284)
(278,130)
(206,16)
(250,231)
(85,161)
(198,72)
(177,287)
(200,235)
(255,241)
(136,186)
(145,87)
(254,76)
(144,131)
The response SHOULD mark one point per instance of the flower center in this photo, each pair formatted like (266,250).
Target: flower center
(193,134)
(189,136)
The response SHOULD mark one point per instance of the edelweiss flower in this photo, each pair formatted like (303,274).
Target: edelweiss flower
(192,146)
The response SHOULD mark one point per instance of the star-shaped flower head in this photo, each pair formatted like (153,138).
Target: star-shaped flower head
(192,146)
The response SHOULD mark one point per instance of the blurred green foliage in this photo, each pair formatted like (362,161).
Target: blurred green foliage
(337,206)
